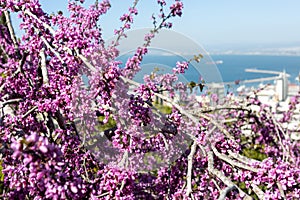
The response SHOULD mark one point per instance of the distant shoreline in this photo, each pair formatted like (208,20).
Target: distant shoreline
(249,54)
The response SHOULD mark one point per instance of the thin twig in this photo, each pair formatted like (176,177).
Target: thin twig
(218,108)
(103,194)
(115,43)
(202,150)
(192,196)
(86,177)
(29,111)
(122,185)
(165,141)
(184,185)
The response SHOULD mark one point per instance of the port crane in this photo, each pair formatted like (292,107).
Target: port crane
(281,84)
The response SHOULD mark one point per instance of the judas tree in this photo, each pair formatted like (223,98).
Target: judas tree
(66,101)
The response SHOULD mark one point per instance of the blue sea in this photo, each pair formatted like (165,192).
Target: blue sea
(223,68)
(234,66)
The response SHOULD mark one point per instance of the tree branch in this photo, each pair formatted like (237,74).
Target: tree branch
(28,12)
(221,176)
(225,191)
(184,112)
(11,29)
(241,158)
(44,67)
(10,101)
(86,177)
(124,161)
(52,49)
(232,162)
(86,62)
(218,108)
(214,122)
(281,190)
(190,168)
(260,194)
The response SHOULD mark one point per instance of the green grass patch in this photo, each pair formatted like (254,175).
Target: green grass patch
(254,154)
(163,108)
(110,124)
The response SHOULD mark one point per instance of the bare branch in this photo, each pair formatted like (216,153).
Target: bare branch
(241,158)
(232,162)
(52,49)
(86,62)
(10,29)
(260,194)
(26,11)
(184,185)
(190,168)
(10,101)
(202,150)
(124,161)
(165,141)
(216,184)
(122,185)
(184,112)
(44,67)
(103,195)
(192,196)
(86,177)
(221,176)
(281,190)
(218,108)
(225,191)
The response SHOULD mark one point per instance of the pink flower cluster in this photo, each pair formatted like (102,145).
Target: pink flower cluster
(43,98)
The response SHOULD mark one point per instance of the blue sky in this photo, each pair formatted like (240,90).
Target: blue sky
(216,23)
